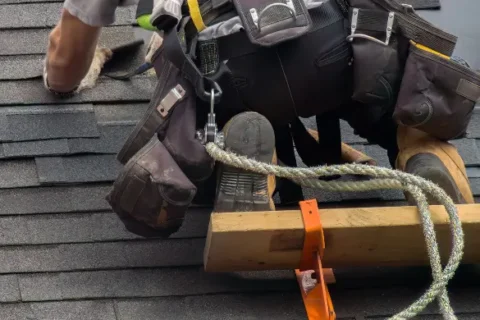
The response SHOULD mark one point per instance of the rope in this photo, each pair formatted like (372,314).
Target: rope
(385,179)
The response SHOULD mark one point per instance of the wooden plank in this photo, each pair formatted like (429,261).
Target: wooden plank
(379,236)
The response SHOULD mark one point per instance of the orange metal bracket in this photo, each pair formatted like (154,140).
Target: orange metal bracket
(317,300)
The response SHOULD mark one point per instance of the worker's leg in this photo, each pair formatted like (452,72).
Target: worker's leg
(413,151)
(249,134)
(434,160)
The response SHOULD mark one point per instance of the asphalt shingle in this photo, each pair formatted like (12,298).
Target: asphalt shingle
(76,169)
(105,255)
(111,140)
(473,130)
(50,199)
(85,227)
(34,41)
(35,148)
(33,92)
(149,283)
(120,113)
(24,123)
(18,174)
(20,67)
(9,290)
(252,306)
(66,310)
(5,2)
(469,150)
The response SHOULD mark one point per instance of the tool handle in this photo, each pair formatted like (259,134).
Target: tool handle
(144,10)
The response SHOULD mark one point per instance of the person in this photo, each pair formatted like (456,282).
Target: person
(72,47)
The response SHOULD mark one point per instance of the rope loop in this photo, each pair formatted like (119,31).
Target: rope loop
(384,179)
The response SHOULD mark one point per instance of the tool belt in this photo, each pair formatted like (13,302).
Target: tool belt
(285,60)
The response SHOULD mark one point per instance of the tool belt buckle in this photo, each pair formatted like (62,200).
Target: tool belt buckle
(210,132)
(354,24)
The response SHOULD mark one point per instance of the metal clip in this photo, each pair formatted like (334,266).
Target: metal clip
(173,96)
(354,24)
(211,133)
(408,7)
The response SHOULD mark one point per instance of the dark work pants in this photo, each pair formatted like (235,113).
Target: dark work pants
(373,125)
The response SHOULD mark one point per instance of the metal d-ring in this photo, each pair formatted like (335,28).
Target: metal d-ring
(257,18)
(388,31)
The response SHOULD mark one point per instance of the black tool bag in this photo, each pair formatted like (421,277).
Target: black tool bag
(402,65)
(437,95)
(163,159)
(379,32)
(152,194)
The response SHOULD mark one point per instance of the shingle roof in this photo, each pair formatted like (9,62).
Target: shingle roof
(64,255)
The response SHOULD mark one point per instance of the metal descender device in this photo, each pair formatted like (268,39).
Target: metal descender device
(210,132)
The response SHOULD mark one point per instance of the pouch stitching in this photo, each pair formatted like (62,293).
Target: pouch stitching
(429,117)
(388,88)
(140,155)
(326,60)
(162,192)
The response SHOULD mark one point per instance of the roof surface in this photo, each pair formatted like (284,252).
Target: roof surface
(64,255)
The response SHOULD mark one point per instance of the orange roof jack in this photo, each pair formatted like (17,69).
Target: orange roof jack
(317,300)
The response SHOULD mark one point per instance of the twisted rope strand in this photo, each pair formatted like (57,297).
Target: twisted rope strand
(385,179)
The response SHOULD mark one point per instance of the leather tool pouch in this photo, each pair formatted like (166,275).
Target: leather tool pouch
(152,194)
(163,159)
(437,95)
(268,23)
(378,58)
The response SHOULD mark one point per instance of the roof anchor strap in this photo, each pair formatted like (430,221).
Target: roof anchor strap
(311,276)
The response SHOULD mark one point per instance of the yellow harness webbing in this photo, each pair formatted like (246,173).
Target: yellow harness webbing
(196,15)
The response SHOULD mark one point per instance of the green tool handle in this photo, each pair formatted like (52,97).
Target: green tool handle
(144,10)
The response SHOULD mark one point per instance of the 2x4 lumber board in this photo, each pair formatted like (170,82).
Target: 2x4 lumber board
(377,236)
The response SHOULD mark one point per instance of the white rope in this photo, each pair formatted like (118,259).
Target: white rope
(385,179)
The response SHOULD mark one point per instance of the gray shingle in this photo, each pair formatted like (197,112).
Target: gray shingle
(65,310)
(112,138)
(473,130)
(76,169)
(384,302)
(20,67)
(34,41)
(473,172)
(24,123)
(253,306)
(106,255)
(17,174)
(9,290)
(35,148)
(5,2)
(475,186)
(106,90)
(120,113)
(52,199)
(468,151)
(85,227)
(149,283)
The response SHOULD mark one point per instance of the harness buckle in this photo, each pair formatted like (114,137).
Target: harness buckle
(211,133)
(354,24)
